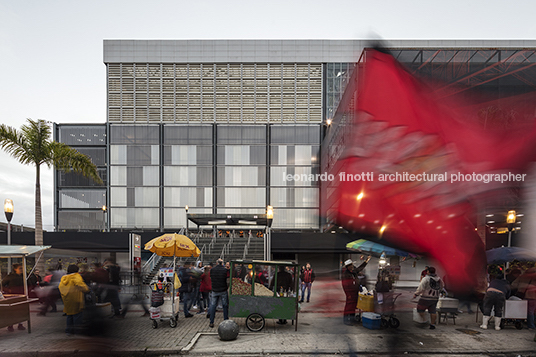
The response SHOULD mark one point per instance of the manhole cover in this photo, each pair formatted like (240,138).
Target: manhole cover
(468,331)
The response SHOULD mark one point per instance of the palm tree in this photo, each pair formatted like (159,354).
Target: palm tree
(32,146)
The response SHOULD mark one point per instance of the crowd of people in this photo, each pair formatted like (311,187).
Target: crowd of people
(204,289)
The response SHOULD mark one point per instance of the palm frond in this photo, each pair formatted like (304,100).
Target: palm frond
(15,144)
(65,158)
(37,134)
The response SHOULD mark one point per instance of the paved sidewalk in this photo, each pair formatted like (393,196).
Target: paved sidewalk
(320,333)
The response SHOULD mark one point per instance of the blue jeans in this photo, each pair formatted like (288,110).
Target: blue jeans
(186,299)
(195,298)
(216,296)
(205,302)
(74,322)
(308,287)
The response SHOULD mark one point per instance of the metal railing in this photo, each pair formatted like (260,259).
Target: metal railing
(245,252)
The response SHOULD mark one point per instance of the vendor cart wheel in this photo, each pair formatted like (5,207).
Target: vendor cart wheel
(155,324)
(518,325)
(172,322)
(358,318)
(384,323)
(394,322)
(255,322)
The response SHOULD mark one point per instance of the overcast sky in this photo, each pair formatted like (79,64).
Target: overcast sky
(51,51)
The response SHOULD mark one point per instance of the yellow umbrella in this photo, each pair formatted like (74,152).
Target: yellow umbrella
(173,245)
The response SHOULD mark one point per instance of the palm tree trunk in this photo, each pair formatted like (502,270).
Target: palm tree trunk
(38,216)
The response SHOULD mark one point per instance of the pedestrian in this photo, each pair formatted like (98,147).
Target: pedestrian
(112,288)
(429,289)
(218,277)
(72,289)
(496,294)
(283,286)
(13,283)
(307,278)
(205,288)
(350,287)
(34,283)
(525,285)
(100,277)
(50,293)
(197,271)
(187,288)
(424,272)
(85,273)
(302,269)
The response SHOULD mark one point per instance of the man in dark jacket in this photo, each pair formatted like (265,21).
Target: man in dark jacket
(187,288)
(218,276)
(13,283)
(112,292)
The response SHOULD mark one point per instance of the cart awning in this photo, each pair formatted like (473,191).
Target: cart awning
(21,250)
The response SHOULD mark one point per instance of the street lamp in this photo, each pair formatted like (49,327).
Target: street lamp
(267,236)
(104,218)
(510,220)
(8,210)
(186,212)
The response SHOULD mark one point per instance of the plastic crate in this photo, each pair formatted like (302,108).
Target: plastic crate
(371,320)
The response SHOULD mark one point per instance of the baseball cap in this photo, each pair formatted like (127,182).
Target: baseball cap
(348,262)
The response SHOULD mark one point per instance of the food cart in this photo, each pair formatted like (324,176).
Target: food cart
(15,308)
(256,293)
(170,245)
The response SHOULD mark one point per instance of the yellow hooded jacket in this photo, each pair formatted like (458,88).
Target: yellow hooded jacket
(72,289)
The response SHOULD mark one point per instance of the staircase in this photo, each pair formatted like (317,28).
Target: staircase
(233,247)
(212,248)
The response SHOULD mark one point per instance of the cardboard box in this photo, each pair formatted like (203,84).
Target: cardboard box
(365,303)
(371,320)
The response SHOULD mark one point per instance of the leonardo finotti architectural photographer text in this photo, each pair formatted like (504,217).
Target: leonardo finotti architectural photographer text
(408,177)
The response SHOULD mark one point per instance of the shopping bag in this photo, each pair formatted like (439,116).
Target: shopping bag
(155,312)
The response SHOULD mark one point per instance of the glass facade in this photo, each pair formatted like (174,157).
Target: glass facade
(79,200)
(336,77)
(155,171)
(135,176)
(294,163)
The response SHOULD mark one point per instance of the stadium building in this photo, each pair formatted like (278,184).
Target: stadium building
(217,130)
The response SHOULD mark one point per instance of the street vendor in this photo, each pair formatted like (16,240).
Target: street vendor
(284,285)
(351,287)
(13,283)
